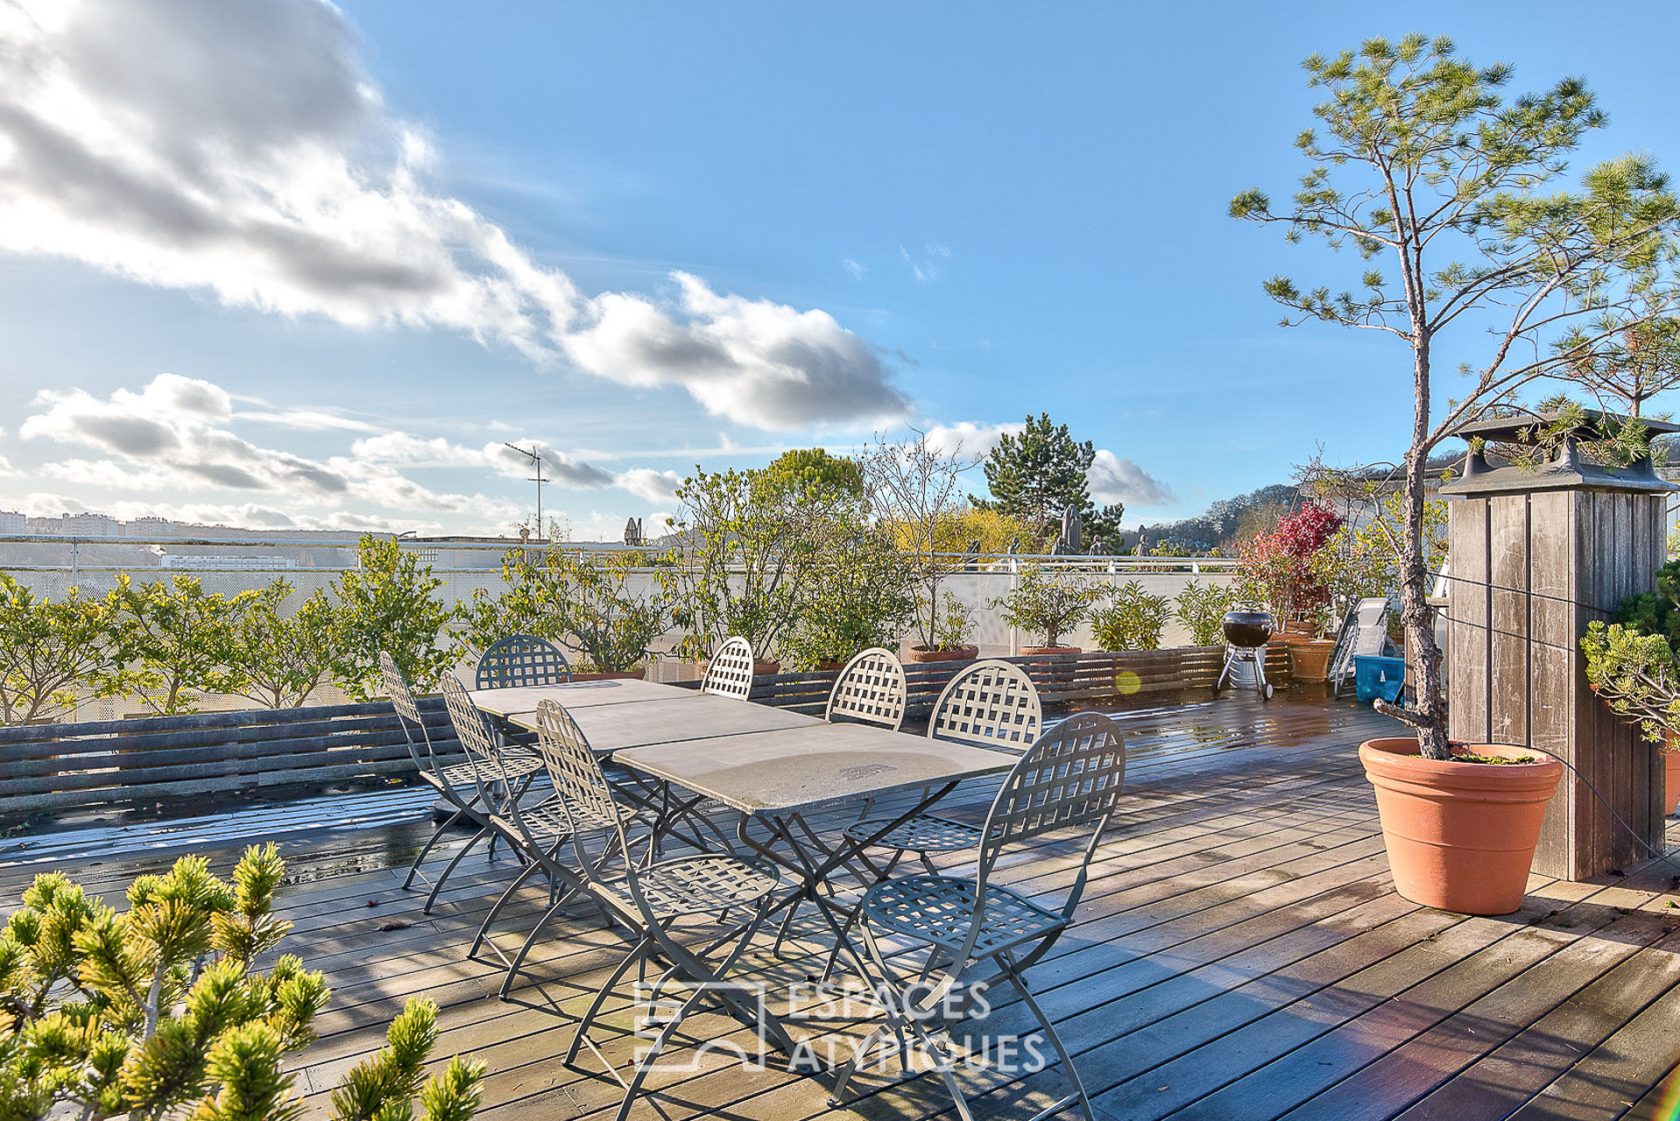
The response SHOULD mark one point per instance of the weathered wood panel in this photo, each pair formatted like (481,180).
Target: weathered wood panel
(1468,611)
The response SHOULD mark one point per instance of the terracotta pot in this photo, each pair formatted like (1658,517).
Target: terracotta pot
(1671,781)
(1290,638)
(1460,836)
(1310,661)
(611,675)
(1037,651)
(929,654)
(760,669)
(831,665)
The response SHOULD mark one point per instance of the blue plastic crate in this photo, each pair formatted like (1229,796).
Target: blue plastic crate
(1375,677)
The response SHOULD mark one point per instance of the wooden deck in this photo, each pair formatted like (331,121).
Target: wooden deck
(1240,955)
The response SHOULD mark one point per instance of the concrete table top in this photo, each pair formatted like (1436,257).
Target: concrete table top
(612,728)
(802,768)
(574,695)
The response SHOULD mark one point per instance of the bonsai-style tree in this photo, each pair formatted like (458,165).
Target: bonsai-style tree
(1133,621)
(387,602)
(1201,608)
(158,1010)
(280,658)
(581,600)
(50,650)
(1039,472)
(1049,604)
(1450,195)
(175,641)
(1633,662)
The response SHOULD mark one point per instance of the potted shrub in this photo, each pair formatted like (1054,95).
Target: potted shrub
(1633,663)
(1048,605)
(1133,620)
(1280,569)
(861,597)
(953,623)
(1482,242)
(1201,609)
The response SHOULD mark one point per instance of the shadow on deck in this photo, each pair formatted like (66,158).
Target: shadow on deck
(1239,954)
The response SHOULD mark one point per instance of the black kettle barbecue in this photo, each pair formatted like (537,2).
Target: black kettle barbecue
(1246,635)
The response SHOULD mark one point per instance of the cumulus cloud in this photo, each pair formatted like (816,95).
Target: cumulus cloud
(243,149)
(1117,479)
(650,485)
(968,438)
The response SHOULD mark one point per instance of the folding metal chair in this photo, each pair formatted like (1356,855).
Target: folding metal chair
(521,659)
(988,704)
(1067,783)
(655,898)
(730,672)
(456,783)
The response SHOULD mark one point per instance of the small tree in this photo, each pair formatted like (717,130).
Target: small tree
(279,658)
(1633,662)
(1640,362)
(1444,189)
(387,602)
(175,642)
(1133,620)
(1201,608)
(615,628)
(50,650)
(158,1011)
(862,595)
(1035,475)
(1049,604)
(1278,567)
(916,491)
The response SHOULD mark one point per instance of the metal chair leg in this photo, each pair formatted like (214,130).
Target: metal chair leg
(1049,1030)
(501,901)
(648,1060)
(525,949)
(638,953)
(426,849)
(453,864)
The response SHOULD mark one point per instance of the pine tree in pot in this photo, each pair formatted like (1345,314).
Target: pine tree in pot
(1633,663)
(1450,195)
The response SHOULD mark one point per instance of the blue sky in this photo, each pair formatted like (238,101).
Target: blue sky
(367,244)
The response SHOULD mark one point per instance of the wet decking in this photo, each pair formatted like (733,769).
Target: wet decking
(1240,954)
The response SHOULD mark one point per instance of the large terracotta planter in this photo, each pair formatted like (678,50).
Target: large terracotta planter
(1289,638)
(1671,781)
(1310,661)
(1460,836)
(929,654)
(760,669)
(1040,651)
(611,675)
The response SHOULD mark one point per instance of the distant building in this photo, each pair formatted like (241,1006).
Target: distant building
(77,525)
(13,522)
(267,562)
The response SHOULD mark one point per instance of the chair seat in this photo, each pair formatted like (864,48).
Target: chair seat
(940,910)
(549,818)
(690,885)
(516,764)
(922,833)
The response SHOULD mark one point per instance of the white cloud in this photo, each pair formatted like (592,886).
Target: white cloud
(558,466)
(855,269)
(243,149)
(1116,479)
(650,485)
(969,439)
(307,420)
(926,266)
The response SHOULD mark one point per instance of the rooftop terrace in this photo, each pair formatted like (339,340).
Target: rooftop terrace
(1239,954)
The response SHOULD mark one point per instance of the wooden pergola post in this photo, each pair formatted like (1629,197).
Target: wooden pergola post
(1534,554)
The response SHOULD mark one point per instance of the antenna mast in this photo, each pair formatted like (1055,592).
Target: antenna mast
(536,459)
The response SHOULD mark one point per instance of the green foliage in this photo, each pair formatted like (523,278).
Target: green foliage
(953,623)
(802,471)
(281,658)
(175,641)
(1049,604)
(156,1011)
(387,603)
(1362,562)
(49,649)
(862,594)
(1445,190)
(1035,475)
(915,490)
(579,600)
(1133,620)
(1633,662)
(1201,608)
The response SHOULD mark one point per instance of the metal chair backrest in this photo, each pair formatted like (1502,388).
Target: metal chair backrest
(407,709)
(730,673)
(578,780)
(1069,782)
(473,730)
(870,690)
(988,704)
(522,659)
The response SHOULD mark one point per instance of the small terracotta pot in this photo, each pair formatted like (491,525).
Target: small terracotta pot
(920,653)
(760,669)
(1310,661)
(1460,836)
(1038,651)
(611,675)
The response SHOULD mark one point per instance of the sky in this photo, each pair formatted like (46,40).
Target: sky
(282,264)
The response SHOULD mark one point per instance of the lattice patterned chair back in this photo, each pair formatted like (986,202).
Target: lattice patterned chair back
(407,709)
(730,673)
(988,704)
(870,690)
(578,780)
(473,730)
(1069,780)
(522,659)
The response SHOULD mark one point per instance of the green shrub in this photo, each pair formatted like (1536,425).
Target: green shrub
(1133,620)
(1201,608)
(1049,605)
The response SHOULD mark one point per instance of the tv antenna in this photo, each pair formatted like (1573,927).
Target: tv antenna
(536,459)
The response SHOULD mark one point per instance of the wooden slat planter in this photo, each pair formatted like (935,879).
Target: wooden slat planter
(57,767)
(54,767)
